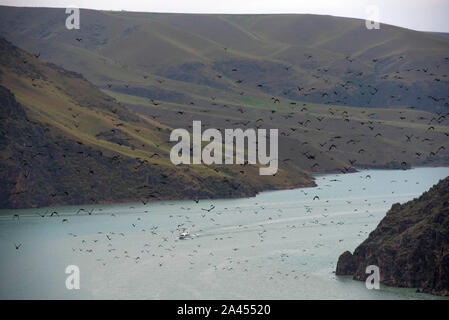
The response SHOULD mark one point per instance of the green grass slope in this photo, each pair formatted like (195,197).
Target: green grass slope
(64,141)
(335,61)
(341,96)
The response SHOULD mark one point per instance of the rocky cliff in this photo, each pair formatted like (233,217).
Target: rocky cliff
(410,245)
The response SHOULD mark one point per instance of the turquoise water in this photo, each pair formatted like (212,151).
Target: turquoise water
(277,245)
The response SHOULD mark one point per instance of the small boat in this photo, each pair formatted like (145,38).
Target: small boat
(184,235)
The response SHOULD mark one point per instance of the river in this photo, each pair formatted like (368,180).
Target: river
(277,245)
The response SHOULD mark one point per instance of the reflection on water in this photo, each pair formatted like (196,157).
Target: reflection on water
(278,245)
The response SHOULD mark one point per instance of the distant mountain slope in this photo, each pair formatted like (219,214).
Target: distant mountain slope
(331,60)
(312,138)
(410,245)
(158,72)
(63,141)
(441,34)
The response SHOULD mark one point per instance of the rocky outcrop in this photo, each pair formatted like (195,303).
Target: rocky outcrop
(410,245)
(346,264)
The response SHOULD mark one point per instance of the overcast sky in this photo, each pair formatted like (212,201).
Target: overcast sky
(424,15)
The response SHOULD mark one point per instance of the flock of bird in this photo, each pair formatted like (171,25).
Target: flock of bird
(279,241)
(306,139)
(212,223)
(298,119)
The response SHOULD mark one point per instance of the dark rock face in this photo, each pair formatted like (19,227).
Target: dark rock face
(346,264)
(410,245)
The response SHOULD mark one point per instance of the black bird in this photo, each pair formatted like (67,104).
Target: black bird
(42,215)
(210,209)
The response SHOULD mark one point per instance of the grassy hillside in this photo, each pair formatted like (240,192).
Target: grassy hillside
(139,75)
(65,142)
(334,61)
